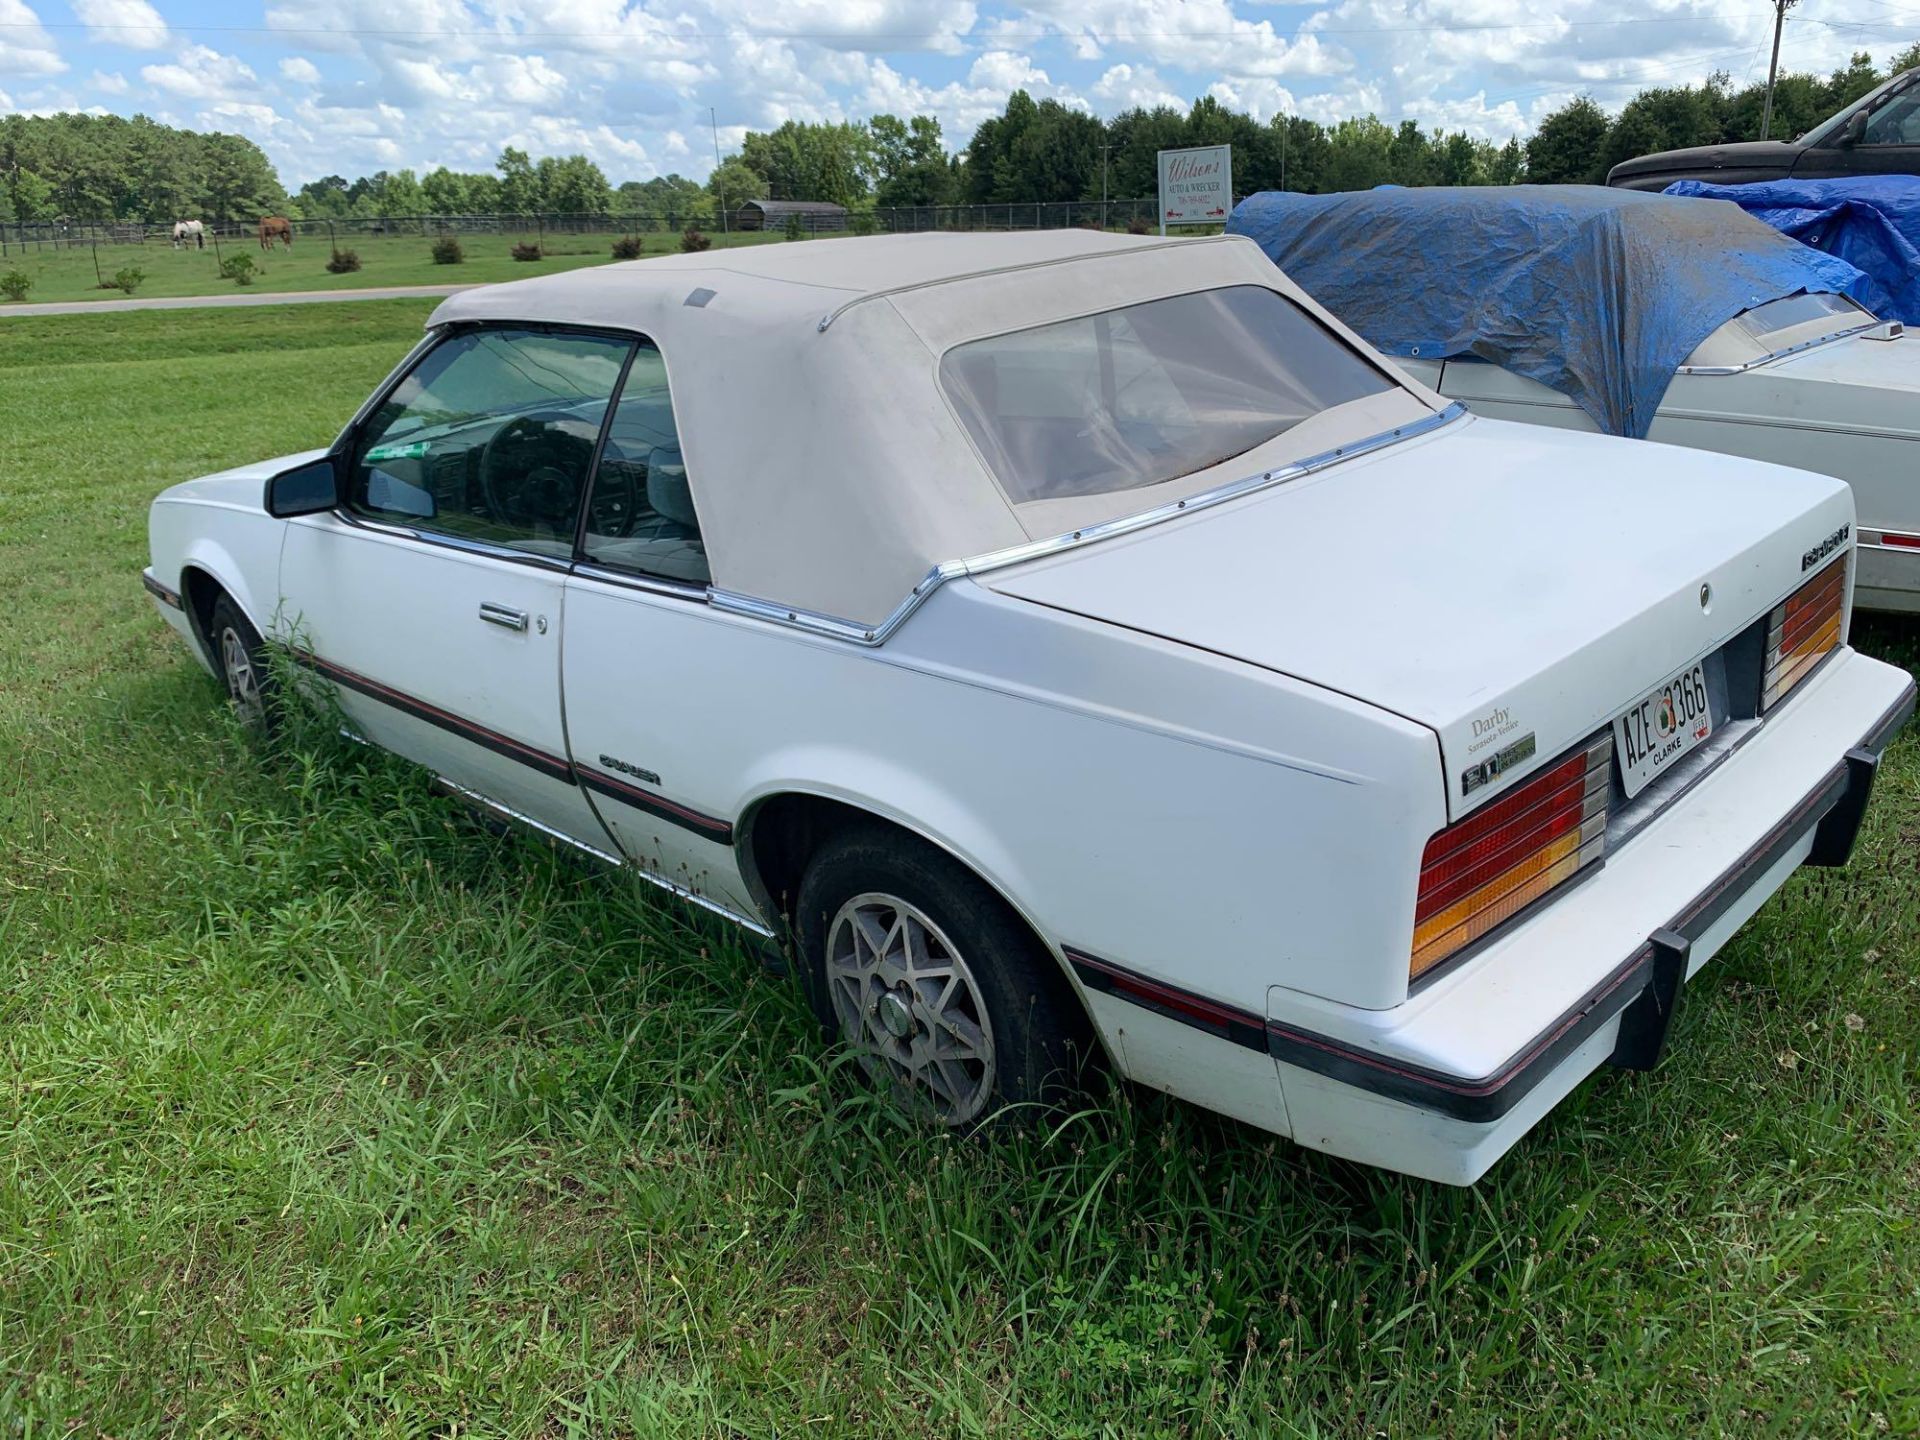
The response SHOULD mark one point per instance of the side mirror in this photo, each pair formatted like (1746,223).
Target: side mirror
(305,489)
(1855,131)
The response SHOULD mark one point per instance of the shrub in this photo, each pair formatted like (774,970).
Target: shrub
(1139,225)
(691,240)
(129,279)
(863,224)
(343,262)
(237,268)
(447,251)
(528,252)
(628,247)
(795,231)
(14,284)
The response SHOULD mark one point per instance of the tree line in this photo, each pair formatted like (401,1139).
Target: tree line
(106,167)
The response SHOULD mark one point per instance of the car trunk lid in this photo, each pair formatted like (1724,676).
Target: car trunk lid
(1498,583)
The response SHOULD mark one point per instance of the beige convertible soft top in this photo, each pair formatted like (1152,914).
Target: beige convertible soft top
(828,468)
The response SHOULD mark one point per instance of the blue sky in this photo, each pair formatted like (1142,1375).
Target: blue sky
(352,86)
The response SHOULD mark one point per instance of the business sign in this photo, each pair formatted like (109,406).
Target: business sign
(1196,186)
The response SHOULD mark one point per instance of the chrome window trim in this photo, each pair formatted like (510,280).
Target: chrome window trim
(638,580)
(454,542)
(1772,355)
(836,628)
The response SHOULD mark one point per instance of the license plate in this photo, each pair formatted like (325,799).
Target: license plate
(1653,736)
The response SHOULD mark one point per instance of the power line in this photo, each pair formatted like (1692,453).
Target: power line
(663,30)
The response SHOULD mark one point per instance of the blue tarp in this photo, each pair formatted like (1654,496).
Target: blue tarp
(1870,221)
(1597,293)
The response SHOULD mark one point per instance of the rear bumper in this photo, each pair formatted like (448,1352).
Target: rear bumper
(1436,1088)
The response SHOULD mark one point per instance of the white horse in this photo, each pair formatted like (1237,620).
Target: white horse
(189,230)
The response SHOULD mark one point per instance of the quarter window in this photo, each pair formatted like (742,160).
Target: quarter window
(641,514)
(490,438)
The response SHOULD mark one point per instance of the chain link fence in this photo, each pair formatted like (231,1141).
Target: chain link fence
(1014,215)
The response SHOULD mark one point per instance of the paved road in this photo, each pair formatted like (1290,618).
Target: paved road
(249,297)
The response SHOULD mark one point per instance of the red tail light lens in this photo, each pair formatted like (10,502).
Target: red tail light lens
(1801,631)
(1506,855)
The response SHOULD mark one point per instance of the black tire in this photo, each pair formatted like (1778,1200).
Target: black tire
(1041,1043)
(241,658)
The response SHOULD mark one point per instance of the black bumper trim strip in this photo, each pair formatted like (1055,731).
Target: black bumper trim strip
(552,766)
(161,592)
(709,827)
(1650,978)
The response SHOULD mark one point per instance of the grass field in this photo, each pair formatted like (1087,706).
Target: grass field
(328,1112)
(384,260)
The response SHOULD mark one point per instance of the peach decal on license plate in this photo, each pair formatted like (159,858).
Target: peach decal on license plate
(1663,727)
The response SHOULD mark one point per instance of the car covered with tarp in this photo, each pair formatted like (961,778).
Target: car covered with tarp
(1651,316)
(1872,222)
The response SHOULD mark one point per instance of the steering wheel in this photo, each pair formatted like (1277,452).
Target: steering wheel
(530,469)
(617,499)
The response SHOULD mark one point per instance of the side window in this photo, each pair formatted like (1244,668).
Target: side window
(1897,122)
(640,515)
(489,438)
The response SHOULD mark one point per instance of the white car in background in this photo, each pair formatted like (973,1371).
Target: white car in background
(1079,642)
(1808,380)
(1468,288)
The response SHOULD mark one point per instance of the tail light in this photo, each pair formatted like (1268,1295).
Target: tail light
(1802,630)
(1506,855)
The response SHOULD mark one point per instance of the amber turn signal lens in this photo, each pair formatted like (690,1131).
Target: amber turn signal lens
(1802,631)
(1506,855)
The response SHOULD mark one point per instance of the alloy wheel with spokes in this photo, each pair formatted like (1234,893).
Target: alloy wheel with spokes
(905,996)
(243,681)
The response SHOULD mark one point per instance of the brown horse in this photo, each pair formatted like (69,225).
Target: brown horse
(275,227)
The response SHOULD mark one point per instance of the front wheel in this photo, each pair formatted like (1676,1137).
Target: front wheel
(243,664)
(947,997)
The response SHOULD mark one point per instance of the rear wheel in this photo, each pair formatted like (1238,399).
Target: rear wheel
(241,656)
(947,997)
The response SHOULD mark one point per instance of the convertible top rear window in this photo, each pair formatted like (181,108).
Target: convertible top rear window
(1148,393)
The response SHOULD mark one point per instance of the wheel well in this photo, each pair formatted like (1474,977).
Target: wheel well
(199,590)
(782,833)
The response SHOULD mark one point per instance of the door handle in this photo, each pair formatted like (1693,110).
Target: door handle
(501,615)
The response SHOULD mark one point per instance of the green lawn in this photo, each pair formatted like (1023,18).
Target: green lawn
(384,260)
(328,1112)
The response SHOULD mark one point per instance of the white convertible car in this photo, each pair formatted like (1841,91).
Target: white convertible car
(1079,640)
(1482,294)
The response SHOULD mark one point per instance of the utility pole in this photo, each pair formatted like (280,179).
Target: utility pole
(1780,8)
(1104,150)
(726,225)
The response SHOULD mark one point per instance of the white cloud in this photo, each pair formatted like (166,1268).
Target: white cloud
(25,46)
(1126,87)
(108,82)
(199,73)
(133,24)
(299,70)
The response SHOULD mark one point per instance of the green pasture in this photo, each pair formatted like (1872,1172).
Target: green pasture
(325,1111)
(69,273)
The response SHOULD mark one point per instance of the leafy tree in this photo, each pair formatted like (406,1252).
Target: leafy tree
(444,192)
(399,194)
(1565,150)
(910,161)
(734,182)
(519,186)
(573,185)
(805,161)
